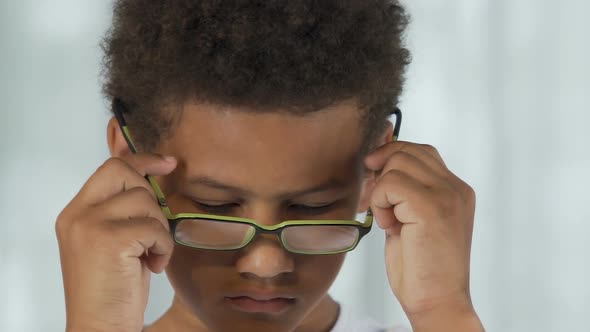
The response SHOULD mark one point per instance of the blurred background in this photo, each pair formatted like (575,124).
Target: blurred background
(500,87)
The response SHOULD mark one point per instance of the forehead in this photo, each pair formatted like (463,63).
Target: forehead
(263,149)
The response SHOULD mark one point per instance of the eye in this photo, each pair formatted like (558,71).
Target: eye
(226,208)
(312,209)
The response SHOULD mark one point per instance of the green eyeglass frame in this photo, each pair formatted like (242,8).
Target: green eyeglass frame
(175,219)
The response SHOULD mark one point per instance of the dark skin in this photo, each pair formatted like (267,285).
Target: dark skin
(237,150)
(274,163)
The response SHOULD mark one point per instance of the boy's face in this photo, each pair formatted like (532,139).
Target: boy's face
(267,167)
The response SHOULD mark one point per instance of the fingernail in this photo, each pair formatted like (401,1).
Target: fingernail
(169,159)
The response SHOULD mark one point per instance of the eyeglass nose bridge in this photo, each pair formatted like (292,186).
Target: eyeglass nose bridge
(278,231)
(258,230)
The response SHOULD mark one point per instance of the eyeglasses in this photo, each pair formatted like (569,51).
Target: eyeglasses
(215,232)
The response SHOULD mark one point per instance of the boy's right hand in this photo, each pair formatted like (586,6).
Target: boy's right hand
(111,235)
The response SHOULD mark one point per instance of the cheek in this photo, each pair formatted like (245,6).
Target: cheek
(202,273)
(200,278)
(317,273)
(196,274)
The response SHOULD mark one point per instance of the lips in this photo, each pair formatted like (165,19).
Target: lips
(260,302)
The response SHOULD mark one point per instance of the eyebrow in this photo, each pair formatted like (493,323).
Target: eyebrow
(216,184)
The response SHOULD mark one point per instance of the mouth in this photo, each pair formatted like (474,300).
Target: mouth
(258,302)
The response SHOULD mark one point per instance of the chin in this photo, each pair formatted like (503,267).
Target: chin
(230,320)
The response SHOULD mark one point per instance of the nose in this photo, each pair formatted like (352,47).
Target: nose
(265,258)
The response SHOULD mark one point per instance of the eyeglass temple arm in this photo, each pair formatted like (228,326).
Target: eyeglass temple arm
(398,123)
(118,110)
(394,137)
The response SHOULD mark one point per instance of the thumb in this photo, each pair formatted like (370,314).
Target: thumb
(386,219)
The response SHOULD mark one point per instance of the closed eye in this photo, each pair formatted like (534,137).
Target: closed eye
(226,208)
(311,209)
(229,208)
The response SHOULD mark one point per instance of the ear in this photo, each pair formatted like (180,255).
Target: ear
(369,177)
(117,144)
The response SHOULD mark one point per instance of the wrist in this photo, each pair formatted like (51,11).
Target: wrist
(448,317)
(101,321)
(96,327)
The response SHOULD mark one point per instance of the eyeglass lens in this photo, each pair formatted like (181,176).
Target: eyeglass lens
(219,235)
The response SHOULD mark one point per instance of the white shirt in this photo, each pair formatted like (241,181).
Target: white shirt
(350,321)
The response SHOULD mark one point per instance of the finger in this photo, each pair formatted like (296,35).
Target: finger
(387,221)
(433,152)
(136,202)
(396,191)
(117,175)
(377,159)
(425,166)
(417,167)
(157,263)
(150,163)
(148,238)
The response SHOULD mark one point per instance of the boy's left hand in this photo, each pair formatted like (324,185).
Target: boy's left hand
(427,213)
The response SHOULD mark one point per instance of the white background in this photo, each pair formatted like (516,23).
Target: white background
(501,87)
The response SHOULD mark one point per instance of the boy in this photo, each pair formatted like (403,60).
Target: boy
(246,136)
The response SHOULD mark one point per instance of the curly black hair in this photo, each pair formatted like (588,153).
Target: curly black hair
(261,55)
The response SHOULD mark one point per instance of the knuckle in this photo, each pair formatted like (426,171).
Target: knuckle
(390,179)
(62,223)
(392,176)
(112,234)
(433,152)
(469,196)
(403,145)
(72,228)
(402,156)
(466,191)
(66,222)
(113,164)
(83,233)
(156,225)
(429,148)
(469,193)
(150,227)
(448,202)
(399,159)
(143,194)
